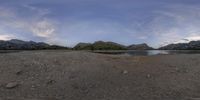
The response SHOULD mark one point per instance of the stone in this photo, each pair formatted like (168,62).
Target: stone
(125,72)
(12,85)
(148,75)
(18,72)
(50,82)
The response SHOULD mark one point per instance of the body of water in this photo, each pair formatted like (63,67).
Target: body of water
(9,51)
(149,52)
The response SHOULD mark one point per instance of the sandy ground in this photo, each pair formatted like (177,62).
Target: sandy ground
(78,75)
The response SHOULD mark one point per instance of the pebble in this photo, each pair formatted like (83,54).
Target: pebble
(125,72)
(18,72)
(50,82)
(148,75)
(12,85)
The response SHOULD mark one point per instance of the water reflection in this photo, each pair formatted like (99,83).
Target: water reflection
(157,52)
(150,52)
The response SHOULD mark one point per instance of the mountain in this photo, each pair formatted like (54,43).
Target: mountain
(100,45)
(83,46)
(193,45)
(142,46)
(16,44)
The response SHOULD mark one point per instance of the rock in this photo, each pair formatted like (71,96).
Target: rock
(125,72)
(148,76)
(50,82)
(18,72)
(12,85)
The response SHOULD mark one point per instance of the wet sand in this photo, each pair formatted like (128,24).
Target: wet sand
(79,75)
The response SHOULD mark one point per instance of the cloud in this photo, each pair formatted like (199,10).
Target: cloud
(91,30)
(43,28)
(40,12)
(5,13)
(35,26)
(54,22)
(174,23)
(193,38)
(188,39)
(6,37)
(143,37)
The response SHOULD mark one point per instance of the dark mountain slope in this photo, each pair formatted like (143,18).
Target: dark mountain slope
(193,45)
(142,46)
(15,44)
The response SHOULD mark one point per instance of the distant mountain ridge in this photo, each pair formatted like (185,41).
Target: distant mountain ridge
(101,45)
(193,45)
(83,46)
(16,44)
(142,46)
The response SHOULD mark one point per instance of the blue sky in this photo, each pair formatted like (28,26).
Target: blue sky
(68,22)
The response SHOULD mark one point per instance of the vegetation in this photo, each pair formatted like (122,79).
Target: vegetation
(15,44)
(99,45)
(83,46)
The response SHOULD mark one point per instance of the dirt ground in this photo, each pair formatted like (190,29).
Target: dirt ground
(79,75)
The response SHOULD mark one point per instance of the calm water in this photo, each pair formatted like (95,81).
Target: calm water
(133,52)
(150,52)
(9,51)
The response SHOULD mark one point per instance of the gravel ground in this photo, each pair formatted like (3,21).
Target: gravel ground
(79,75)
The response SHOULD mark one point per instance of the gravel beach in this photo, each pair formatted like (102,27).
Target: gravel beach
(79,75)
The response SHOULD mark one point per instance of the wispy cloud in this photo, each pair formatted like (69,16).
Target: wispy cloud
(174,23)
(35,26)
(6,37)
(43,28)
(5,13)
(40,12)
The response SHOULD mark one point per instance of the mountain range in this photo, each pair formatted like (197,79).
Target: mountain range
(193,45)
(101,45)
(16,44)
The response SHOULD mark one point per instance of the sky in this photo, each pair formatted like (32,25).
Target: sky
(68,22)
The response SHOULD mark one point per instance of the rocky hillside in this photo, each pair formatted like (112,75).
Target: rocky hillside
(15,44)
(142,46)
(101,45)
(83,46)
(193,45)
